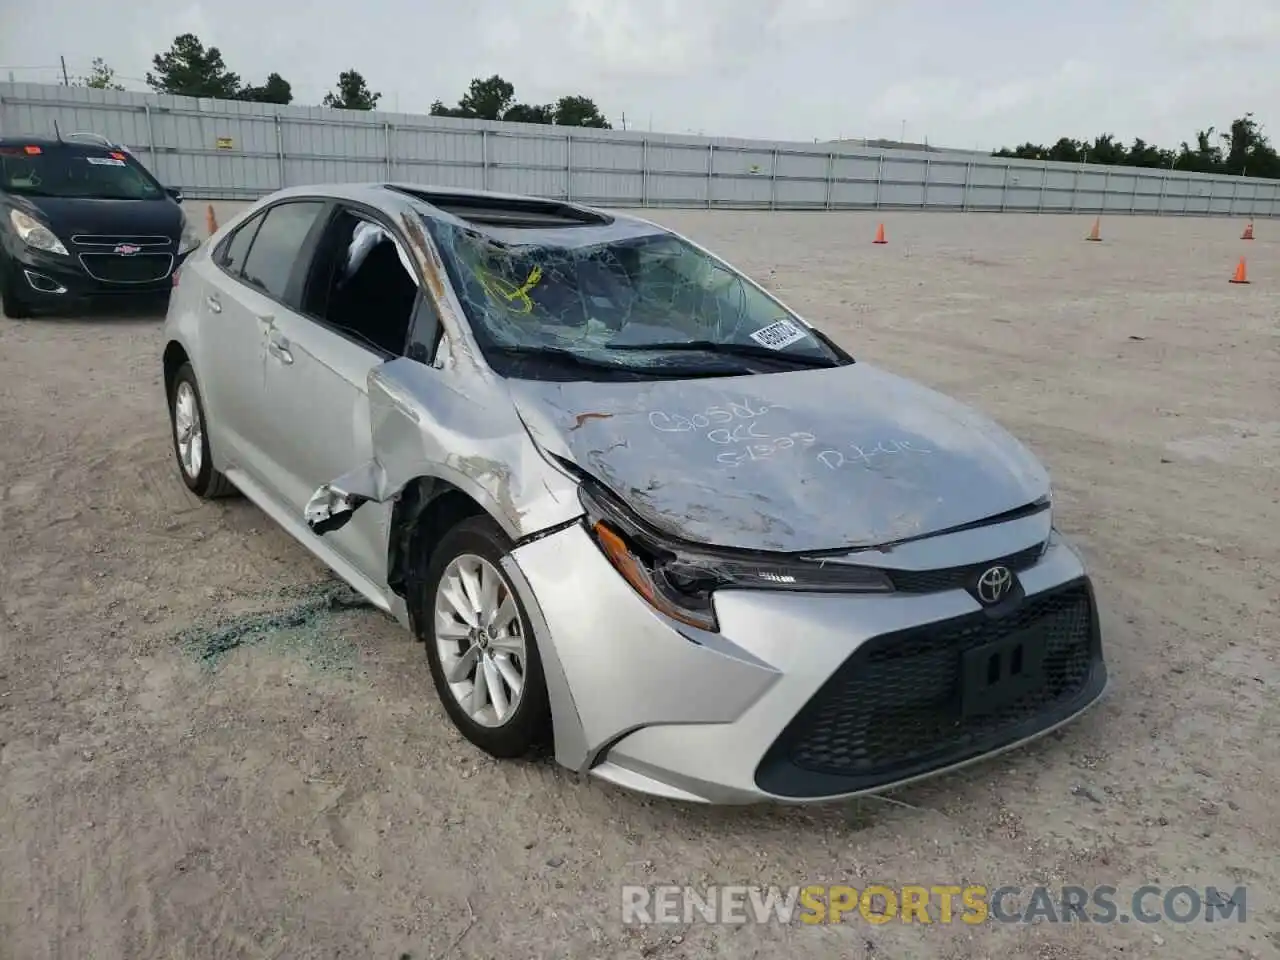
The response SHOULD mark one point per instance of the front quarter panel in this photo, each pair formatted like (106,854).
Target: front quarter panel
(456,425)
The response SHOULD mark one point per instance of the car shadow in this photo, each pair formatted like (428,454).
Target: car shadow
(128,312)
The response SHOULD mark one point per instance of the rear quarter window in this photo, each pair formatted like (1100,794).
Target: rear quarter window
(231,258)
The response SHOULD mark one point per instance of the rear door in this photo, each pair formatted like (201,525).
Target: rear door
(259,279)
(356,306)
(232,362)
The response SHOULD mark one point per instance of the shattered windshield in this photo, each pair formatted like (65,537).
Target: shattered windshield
(74,173)
(630,296)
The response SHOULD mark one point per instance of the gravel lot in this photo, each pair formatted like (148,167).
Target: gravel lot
(288,786)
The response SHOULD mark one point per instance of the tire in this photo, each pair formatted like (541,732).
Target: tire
(478,543)
(14,307)
(191,446)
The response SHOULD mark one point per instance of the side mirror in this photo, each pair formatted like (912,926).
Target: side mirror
(175,193)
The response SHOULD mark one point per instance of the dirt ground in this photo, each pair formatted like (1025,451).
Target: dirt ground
(200,757)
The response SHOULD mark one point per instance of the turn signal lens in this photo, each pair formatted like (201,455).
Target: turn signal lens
(637,573)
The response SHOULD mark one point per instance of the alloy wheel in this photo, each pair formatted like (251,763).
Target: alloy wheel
(480,640)
(188,429)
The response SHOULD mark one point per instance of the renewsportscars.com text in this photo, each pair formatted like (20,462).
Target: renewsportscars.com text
(970,904)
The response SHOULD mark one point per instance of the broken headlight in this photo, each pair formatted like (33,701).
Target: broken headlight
(678,579)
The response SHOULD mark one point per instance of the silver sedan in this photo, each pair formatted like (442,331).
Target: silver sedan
(640,512)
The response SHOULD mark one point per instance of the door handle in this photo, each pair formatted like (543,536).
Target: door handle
(214,304)
(278,347)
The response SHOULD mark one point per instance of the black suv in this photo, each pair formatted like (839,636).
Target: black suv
(80,221)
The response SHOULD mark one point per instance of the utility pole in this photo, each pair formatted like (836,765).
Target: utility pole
(66,81)
(624,119)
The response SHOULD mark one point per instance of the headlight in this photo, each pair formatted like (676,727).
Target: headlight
(190,239)
(678,579)
(35,234)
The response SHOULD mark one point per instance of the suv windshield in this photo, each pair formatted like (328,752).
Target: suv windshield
(629,297)
(73,172)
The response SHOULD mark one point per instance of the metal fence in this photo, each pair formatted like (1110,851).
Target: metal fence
(216,149)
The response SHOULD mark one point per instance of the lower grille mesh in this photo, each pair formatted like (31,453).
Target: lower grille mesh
(894,708)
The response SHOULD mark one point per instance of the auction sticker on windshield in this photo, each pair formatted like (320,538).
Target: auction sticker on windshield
(105,161)
(781,333)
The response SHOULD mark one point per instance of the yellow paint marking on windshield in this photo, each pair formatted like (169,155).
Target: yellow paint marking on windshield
(517,297)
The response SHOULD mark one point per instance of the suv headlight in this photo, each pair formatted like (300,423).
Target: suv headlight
(35,234)
(678,579)
(190,239)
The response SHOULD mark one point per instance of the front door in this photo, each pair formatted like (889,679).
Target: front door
(354,315)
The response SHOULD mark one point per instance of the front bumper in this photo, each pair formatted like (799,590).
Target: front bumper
(799,698)
(47,279)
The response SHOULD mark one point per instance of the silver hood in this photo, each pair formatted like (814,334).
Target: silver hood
(849,456)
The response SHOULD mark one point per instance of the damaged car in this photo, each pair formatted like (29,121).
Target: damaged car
(637,510)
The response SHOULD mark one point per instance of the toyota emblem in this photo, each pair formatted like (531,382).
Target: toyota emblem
(127,249)
(994,585)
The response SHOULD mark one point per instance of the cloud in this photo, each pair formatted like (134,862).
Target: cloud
(1231,25)
(985,74)
(651,37)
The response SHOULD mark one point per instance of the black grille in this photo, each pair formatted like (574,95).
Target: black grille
(955,578)
(138,268)
(116,239)
(895,709)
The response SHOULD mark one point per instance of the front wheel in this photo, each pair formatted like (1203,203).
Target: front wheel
(480,648)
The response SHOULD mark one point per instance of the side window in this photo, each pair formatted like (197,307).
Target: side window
(275,249)
(232,256)
(362,283)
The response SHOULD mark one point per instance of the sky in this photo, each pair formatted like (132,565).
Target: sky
(974,75)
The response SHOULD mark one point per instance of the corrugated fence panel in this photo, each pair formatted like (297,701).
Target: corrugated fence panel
(229,150)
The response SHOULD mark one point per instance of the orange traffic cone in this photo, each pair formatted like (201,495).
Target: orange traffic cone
(1248,232)
(880,235)
(1096,232)
(210,221)
(1241,276)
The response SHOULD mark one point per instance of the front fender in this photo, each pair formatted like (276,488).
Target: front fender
(428,422)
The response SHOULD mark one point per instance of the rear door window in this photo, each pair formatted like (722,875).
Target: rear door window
(277,245)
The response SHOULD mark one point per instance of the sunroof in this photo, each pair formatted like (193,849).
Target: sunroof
(507,211)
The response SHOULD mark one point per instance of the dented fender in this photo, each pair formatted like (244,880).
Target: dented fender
(425,423)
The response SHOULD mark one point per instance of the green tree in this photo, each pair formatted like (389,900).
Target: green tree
(530,113)
(101,77)
(276,90)
(1066,150)
(1245,150)
(577,111)
(187,69)
(352,93)
(486,98)
(493,98)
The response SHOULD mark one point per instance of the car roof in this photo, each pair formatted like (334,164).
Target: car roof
(434,201)
(47,143)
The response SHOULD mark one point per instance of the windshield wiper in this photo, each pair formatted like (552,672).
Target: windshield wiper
(731,349)
(592,363)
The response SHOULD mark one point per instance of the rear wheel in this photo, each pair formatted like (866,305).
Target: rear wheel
(480,647)
(191,438)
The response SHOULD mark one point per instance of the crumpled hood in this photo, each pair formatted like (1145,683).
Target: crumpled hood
(849,456)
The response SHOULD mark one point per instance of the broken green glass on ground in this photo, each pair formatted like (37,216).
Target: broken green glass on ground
(307,629)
